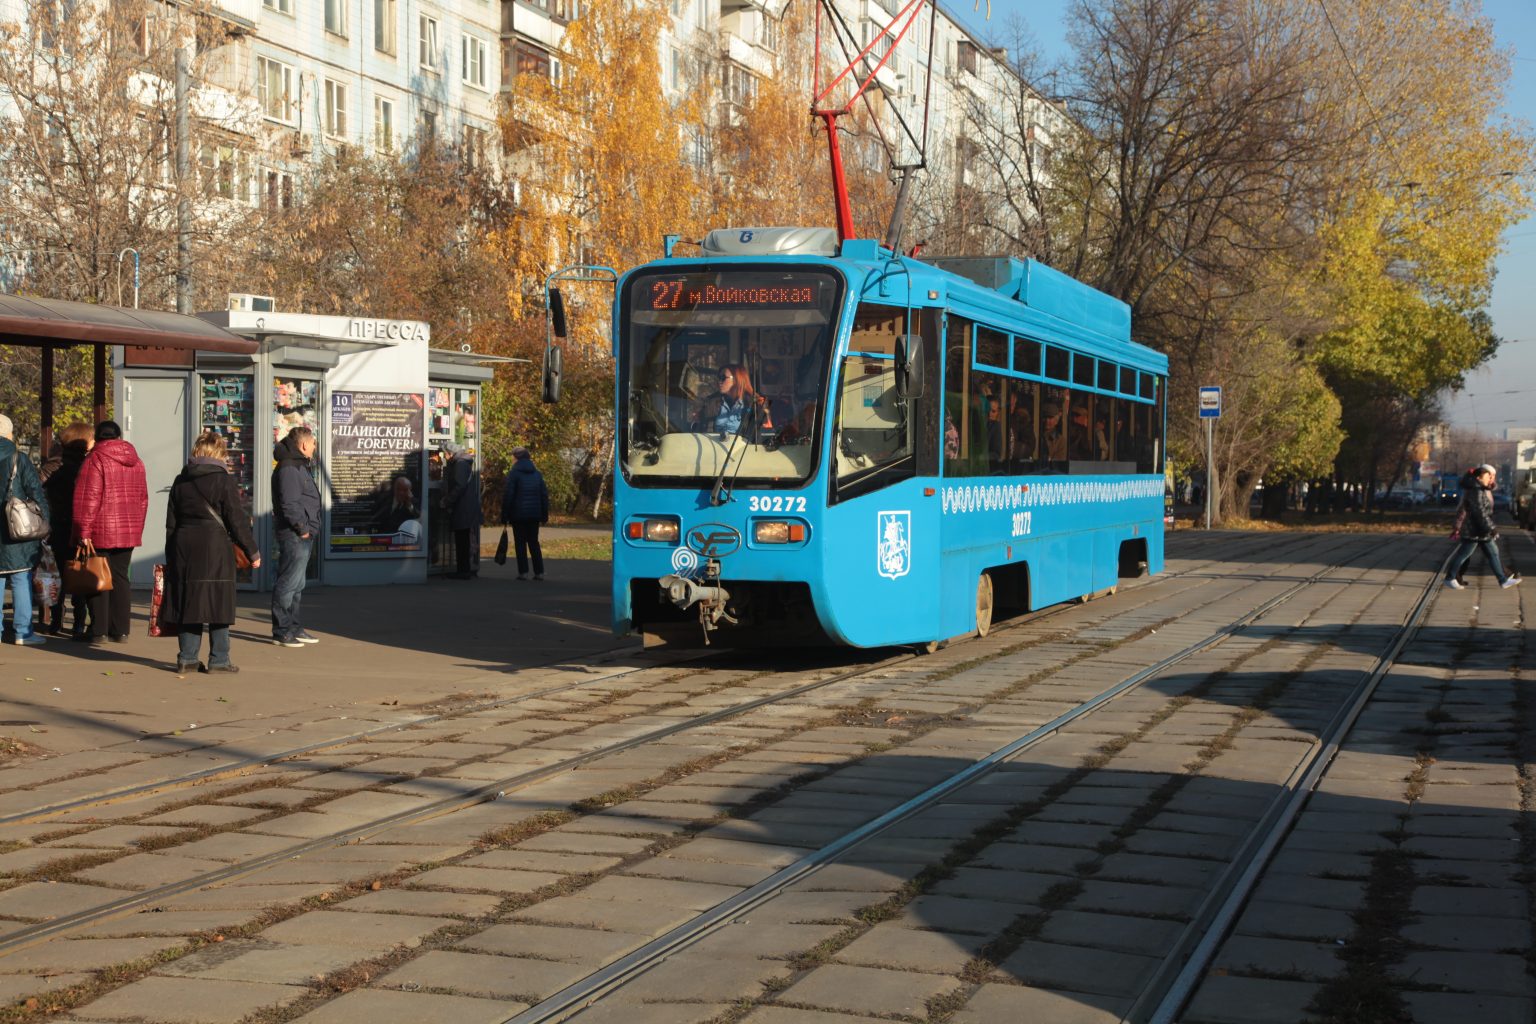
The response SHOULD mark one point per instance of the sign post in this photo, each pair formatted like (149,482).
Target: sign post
(1210,411)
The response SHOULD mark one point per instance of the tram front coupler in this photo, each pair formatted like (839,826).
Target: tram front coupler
(710,598)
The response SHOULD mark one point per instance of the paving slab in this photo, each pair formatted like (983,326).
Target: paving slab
(148,870)
(260,960)
(1493,973)
(484,879)
(1078,969)
(1247,954)
(422,903)
(45,901)
(378,1006)
(992,1004)
(652,1013)
(478,974)
(698,977)
(1232,1000)
(1461,1007)
(893,946)
(359,931)
(590,949)
(170,922)
(868,990)
(188,1001)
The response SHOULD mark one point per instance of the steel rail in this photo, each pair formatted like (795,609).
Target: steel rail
(1163,998)
(46,930)
(590,989)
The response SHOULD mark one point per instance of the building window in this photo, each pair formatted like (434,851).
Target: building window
(770,31)
(336,17)
(278,194)
(383,124)
(277,90)
(966,56)
(474,146)
(335,109)
(677,69)
(280,6)
(225,172)
(428,128)
(429,46)
(532,62)
(473,52)
(384,26)
(739,85)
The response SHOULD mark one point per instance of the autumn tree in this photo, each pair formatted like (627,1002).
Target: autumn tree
(87,167)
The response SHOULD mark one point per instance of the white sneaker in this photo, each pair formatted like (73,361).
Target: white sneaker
(30,640)
(1513,581)
(1456,584)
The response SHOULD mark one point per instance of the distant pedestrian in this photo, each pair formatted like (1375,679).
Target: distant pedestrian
(461,500)
(1477,529)
(75,443)
(111,500)
(202,517)
(525,505)
(296,521)
(19,558)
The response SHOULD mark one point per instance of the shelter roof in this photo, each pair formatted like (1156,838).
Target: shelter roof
(28,321)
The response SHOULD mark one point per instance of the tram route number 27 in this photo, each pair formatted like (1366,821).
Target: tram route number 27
(775,503)
(1021,523)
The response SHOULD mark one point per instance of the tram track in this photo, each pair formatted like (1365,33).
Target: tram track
(240,765)
(64,925)
(588,991)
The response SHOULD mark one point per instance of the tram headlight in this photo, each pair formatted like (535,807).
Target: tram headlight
(659,531)
(777,531)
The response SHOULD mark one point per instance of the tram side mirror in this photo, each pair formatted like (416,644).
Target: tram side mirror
(909,366)
(557,311)
(552,374)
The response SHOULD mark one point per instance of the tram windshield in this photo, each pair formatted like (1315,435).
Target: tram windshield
(723,371)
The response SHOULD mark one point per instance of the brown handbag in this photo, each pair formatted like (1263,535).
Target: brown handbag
(86,573)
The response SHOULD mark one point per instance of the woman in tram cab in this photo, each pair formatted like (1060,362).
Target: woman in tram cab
(733,406)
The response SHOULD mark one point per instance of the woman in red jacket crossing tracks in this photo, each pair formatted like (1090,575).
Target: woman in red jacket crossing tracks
(111,500)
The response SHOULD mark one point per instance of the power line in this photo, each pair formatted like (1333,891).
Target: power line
(1359,85)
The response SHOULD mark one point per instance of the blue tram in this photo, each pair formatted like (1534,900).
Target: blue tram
(824,440)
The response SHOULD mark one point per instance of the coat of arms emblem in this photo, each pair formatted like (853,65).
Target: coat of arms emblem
(893,546)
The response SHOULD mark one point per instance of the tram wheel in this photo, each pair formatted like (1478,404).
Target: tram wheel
(983,605)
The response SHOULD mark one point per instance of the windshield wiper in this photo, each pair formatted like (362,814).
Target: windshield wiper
(719,494)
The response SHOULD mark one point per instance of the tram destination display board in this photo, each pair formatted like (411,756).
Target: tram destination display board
(377,439)
(684,292)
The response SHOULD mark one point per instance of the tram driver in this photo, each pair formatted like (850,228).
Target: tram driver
(734,405)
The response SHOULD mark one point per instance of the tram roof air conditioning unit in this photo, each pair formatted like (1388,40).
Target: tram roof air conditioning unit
(240,302)
(770,242)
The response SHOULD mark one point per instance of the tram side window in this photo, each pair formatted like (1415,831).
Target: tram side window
(874,427)
(958,430)
(1053,430)
(1080,427)
(991,348)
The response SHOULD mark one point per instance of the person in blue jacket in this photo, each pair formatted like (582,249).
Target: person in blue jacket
(296,521)
(19,558)
(525,505)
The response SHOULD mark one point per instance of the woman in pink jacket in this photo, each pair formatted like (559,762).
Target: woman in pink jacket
(111,499)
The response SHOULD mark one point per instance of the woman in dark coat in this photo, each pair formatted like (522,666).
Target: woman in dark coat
(75,443)
(1477,529)
(461,500)
(203,516)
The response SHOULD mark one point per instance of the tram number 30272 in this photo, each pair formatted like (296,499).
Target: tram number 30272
(1021,523)
(775,503)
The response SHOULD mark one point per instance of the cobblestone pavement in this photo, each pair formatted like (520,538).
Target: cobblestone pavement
(1048,890)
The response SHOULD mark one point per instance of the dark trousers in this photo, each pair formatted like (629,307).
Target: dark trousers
(461,551)
(288,588)
(53,617)
(191,638)
(1464,552)
(112,612)
(525,536)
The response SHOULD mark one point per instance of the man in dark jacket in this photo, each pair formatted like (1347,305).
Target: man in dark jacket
(296,517)
(461,500)
(1477,529)
(525,504)
(19,558)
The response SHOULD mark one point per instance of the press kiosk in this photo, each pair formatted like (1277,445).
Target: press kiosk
(362,385)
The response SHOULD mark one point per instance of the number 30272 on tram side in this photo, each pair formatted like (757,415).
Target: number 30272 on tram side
(824,442)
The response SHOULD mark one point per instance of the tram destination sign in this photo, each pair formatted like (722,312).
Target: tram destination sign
(683,292)
(1210,402)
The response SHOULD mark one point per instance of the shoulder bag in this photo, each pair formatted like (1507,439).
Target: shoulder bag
(242,561)
(24,519)
(86,573)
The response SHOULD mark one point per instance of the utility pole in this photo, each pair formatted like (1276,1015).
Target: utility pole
(183,201)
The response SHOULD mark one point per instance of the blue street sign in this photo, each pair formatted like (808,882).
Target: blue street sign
(1210,402)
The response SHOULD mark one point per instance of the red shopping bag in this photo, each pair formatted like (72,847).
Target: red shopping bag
(157,625)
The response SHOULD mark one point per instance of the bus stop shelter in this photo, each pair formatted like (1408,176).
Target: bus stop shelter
(51,324)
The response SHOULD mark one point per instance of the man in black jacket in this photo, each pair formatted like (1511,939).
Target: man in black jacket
(296,516)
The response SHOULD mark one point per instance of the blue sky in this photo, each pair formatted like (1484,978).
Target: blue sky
(1503,392)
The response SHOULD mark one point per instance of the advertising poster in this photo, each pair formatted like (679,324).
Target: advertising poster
(377,441)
